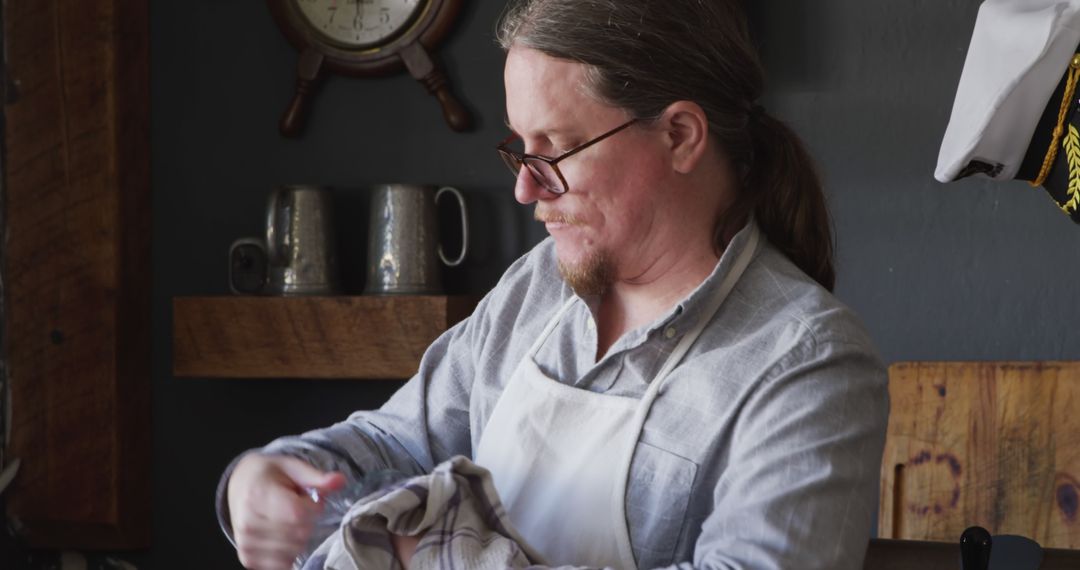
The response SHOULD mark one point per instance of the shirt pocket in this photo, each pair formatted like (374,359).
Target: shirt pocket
(657,496)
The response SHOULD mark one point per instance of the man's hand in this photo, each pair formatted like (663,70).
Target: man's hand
(404,547)
(271,513)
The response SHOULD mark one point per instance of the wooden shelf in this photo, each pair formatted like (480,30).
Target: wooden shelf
(366,337)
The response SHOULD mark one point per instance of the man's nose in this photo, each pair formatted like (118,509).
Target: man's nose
(527,190)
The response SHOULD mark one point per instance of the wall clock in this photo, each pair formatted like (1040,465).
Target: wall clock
(366,38)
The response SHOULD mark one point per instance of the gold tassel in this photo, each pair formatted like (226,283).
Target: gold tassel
(1059,130)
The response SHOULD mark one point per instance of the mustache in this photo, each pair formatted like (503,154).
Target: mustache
(555,217)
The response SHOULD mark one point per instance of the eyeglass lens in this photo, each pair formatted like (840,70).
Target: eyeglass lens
(543,173)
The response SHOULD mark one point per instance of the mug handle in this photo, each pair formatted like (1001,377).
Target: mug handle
(278,220)
(464,226)
(247,258)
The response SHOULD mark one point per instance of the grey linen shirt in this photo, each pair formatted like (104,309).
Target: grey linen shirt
(762,450)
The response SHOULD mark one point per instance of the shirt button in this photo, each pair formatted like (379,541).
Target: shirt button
(591,324)
(670,332)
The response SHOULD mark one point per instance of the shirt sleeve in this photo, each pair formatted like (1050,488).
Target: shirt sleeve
(423,423)
(802,487)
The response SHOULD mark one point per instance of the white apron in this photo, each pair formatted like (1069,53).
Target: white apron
(560,456)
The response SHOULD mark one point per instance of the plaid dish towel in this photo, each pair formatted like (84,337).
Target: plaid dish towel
(456,510)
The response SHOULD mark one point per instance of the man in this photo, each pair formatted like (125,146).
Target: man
(688,392)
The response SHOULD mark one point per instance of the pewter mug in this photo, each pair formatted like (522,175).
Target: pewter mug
(403,248)
(299,255)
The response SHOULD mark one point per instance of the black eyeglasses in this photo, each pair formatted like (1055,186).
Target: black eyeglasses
(544,169)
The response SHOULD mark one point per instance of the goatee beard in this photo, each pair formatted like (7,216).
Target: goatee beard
(593,276)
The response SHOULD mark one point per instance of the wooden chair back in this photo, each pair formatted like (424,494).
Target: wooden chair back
(993,444)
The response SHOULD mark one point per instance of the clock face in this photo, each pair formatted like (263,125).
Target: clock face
(359,23)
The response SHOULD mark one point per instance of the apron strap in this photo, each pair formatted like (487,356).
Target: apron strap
(711,308)
(707,313)
(550,327)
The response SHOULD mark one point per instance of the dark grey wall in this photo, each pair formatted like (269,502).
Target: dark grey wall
(974,270)
(971,270)
(222,74)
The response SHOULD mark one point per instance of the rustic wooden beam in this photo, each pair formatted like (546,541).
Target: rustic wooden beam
(77,270)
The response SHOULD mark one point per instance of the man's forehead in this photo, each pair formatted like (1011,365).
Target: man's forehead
(549,128)
(543,94)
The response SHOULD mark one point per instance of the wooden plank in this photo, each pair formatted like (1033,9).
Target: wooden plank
(373,337)
(994,444)
(77,325)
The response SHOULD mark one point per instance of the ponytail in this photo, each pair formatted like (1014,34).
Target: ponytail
(783,191)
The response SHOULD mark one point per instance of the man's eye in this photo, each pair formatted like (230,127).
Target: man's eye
(548,148)
(560,148)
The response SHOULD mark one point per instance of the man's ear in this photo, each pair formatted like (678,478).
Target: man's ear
(686,129)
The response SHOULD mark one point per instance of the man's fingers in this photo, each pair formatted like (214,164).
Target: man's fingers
(264,561)
(332,481)
(259,529)
(288,507)
(268,553)
(304,475)
(272,515)
(277,526)
(404,547)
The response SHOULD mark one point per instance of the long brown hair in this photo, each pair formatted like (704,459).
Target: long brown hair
(643,55)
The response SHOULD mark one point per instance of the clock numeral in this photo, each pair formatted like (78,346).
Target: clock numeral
(362,21)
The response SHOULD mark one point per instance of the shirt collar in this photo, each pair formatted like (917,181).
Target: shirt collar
(695,302)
